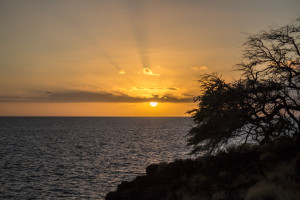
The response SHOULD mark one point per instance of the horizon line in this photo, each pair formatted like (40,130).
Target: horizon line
(81,116)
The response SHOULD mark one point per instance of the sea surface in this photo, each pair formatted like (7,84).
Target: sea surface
(83,157)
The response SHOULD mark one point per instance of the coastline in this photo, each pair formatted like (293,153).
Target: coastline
(259,172)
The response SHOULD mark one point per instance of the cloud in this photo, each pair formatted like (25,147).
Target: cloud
(188,95)
(84,96)
(200,68)
(171,99)
(122,71)
(154,88)
(149,72)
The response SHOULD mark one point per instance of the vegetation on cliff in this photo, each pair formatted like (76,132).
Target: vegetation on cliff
(262,105)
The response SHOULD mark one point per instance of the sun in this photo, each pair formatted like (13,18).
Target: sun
(153,104)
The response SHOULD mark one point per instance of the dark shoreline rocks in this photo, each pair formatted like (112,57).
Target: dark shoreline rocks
(252,174)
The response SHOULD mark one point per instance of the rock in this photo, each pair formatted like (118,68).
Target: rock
(151,169)
(225,176)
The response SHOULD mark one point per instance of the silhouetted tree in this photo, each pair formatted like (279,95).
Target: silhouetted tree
(262,105)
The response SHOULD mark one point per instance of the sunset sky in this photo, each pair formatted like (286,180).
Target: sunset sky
(111,58)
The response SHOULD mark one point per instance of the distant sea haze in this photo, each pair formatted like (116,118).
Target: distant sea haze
(83,157)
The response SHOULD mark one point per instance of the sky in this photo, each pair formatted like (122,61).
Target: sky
(111,58)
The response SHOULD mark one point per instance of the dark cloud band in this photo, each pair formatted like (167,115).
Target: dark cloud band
(83,96)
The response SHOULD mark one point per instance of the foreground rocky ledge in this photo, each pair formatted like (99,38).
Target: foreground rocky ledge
(266,172)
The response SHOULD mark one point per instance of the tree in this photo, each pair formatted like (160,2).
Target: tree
(262,105)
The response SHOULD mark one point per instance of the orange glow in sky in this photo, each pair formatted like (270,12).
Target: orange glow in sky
(111,58)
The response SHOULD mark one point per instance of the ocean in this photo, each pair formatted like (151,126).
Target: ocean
(83,157)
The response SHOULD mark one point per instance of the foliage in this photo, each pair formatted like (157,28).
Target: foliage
(262,105)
